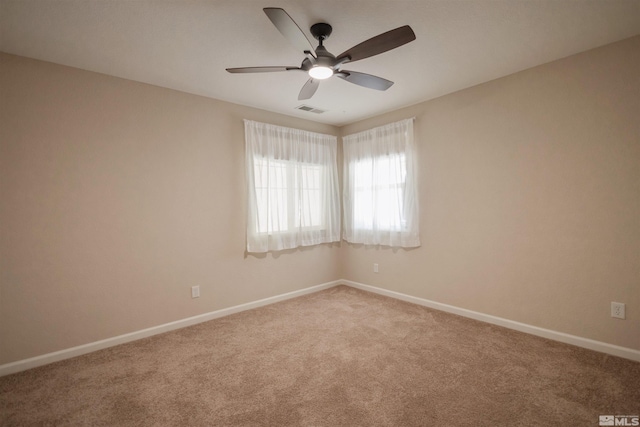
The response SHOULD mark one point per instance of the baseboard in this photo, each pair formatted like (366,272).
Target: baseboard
(45,359)
(627,353)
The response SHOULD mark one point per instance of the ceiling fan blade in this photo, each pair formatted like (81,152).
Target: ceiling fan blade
(309,89)
(260,69)
(366,80)
(379,44)
(289,29)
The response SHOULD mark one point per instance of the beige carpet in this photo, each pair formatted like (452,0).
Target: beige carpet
(340,357)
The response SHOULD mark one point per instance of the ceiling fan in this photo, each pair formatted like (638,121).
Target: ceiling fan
(320,64)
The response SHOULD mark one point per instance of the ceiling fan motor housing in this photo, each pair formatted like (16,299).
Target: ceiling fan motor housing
(324,57)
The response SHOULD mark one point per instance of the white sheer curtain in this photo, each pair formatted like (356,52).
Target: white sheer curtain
(292,188)
(380,187)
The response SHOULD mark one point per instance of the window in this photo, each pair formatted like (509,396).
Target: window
(380,193)
(292,188)
(299,207)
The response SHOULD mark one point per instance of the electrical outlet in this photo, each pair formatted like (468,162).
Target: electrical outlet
(195,292)
(375,267)
(618,310)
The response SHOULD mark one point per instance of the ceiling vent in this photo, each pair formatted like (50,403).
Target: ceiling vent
(310,109)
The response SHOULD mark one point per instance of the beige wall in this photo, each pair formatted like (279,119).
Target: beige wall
(530,198)
(116,198)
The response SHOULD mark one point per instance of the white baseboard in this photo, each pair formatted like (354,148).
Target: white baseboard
(627,353)
(45,359)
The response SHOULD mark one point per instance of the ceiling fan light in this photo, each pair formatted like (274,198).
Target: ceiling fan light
(320,72)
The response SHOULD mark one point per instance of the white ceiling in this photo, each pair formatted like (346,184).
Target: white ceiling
(186,45)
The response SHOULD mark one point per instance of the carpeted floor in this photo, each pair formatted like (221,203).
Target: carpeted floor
(340,357)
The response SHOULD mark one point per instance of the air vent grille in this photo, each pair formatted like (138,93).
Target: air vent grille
(310,109)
